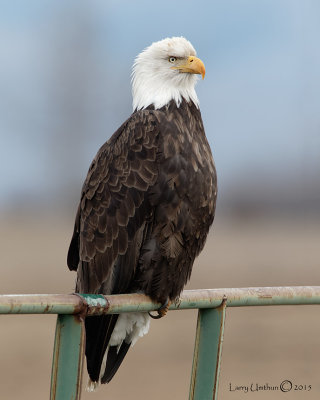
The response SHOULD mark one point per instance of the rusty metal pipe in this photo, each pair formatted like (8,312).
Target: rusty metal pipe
(203,298)
(41,304)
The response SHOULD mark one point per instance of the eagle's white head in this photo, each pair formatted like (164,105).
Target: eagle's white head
(166,71)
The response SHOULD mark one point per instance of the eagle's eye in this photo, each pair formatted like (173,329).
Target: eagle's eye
(172,59)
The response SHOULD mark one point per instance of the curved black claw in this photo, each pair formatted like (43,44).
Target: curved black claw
(162,311)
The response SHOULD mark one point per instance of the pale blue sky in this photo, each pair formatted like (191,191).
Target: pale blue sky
(65,87)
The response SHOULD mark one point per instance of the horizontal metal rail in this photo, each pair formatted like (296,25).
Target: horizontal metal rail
(189,299)
(72,309)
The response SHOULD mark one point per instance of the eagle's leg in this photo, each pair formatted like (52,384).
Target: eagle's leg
(162,311)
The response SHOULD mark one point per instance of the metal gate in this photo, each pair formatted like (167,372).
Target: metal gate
(68,355)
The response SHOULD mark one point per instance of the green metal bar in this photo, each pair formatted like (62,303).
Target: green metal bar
(207,353)
(69,339)
(211,298)
(204,298)
(40,304)
(68,357)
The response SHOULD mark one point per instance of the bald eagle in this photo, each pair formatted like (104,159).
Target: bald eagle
(147,202)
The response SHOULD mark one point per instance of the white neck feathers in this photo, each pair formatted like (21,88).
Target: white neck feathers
(158,92)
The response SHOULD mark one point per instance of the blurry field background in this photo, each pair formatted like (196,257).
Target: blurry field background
(65,87)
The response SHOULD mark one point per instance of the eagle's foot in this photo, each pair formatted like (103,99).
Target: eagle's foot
(162,311)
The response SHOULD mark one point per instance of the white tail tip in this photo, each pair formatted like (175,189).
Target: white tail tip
(92,386)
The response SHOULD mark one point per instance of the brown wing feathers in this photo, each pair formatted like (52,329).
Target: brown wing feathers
(113,205)
(109,226)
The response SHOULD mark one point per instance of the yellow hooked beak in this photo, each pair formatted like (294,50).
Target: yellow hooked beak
(193,66)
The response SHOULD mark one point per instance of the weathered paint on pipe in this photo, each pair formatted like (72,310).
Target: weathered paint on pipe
(40,304)
(211,298)
(68,355)
(94,304)
(207,353)
(114,304)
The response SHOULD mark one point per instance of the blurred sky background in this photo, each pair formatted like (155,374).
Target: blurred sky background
(65,88)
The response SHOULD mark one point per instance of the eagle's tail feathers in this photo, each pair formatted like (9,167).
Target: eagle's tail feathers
(115,357)
(98,333)
(108,339)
